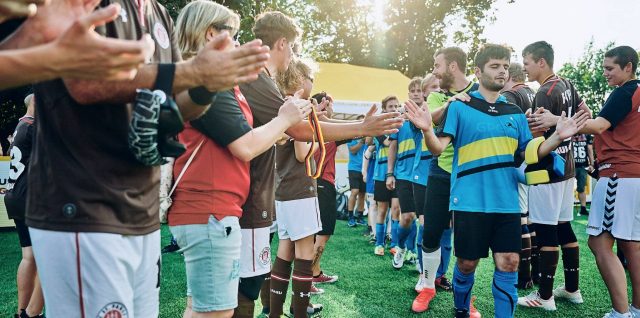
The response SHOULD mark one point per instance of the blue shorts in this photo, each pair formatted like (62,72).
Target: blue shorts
(212,258)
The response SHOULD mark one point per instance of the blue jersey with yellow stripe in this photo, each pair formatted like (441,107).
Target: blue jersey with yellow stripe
(355,160)
(422,159)
(406,152)
(382,153)
(485,138)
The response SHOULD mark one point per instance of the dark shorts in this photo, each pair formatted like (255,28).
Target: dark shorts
(476,232)
(23,233)
(327,203)
(356,181)
(581,179)
(405,195)
(419,197)
(381,193)
(437,217)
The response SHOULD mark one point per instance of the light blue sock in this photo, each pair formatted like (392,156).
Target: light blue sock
(411,239)
(420,233)
(395,224)
(505,294)
(445,254)
(462,285)
(403,234)
(379,234)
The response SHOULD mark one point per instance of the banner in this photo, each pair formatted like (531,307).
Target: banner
(4,180)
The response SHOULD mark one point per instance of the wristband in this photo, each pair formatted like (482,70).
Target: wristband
(390,174)
(164,79)
(201,96)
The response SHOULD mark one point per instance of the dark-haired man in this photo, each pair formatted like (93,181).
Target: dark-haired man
(484,191)
(615,205)
(551,204)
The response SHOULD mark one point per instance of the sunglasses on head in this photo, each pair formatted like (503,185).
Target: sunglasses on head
(225,27)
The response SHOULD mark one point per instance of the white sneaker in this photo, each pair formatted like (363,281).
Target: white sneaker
(614,314)
(561,292)
(635,312)
(533,300)
(398,258)
(420,284)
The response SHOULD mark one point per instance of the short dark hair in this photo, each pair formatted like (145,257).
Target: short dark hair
(491,51)
(454,54)
(538,50)
(623,55)
(387,99)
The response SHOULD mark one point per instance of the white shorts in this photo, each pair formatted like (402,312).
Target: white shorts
(98,275)
(298,218)
(523,197)
(552,202)
(255,254)
(615,208)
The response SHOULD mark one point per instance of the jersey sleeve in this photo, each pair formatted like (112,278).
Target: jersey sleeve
(435,100)
(224,122)
(450,121)
(616,108)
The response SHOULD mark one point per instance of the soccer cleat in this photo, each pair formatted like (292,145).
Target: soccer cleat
(393,250)
(372,238)
(575,297)
(473,312)
(635,312)
(614,314)
(360,220)
(411,257)
(420,284)
(398,258)
(315,290)
(312,309)
(379,250)
(533,300)
(325,279)
(351,222)
(443,283)
(421,303)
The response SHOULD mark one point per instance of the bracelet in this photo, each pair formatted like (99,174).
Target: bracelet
(366,158)
(390,174)
(201,96)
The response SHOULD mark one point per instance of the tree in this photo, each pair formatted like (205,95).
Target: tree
(586,75)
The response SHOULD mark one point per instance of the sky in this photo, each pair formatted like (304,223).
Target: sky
(568,25)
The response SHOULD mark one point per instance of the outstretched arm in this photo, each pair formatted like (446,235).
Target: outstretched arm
(422,119)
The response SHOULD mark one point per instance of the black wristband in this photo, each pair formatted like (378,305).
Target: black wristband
(390,174)
(164,79)
(201,96)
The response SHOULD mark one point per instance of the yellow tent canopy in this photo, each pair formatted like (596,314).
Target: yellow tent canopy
(356,88)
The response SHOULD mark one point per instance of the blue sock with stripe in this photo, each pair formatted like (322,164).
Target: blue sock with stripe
(395,224)
(411,239)
(462,285)
(403,234)
(505,295)
(379,234)
(420,233)
(445,252)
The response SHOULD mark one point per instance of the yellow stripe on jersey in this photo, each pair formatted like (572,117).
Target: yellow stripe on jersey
(406,145)
(485,148)
(383,153)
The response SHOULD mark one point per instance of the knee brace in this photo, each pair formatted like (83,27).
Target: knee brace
(566,234)
(250,286)
(547,235)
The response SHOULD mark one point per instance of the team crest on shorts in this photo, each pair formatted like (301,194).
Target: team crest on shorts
(265,256)
(161,35)
(113,310)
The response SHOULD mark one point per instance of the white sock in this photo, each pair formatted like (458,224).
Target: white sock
(430,263)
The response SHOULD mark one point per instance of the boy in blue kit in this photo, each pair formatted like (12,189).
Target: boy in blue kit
(488,134)
(357,185)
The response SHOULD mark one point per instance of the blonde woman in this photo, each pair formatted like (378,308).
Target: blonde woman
(208,199)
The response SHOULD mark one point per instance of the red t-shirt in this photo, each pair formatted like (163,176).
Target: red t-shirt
(618,148)
(215,183)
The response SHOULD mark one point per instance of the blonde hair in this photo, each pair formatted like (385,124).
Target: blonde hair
(292,79)
(194,21)
(427,80)
(271,26)
(415,82)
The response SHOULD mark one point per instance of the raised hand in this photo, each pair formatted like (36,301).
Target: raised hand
(381,124)
(419,117)
(219,67)
(295,109)
(567,127)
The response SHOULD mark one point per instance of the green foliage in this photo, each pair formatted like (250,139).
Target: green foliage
(587,76)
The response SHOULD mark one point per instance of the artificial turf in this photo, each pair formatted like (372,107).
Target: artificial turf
(368,285)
